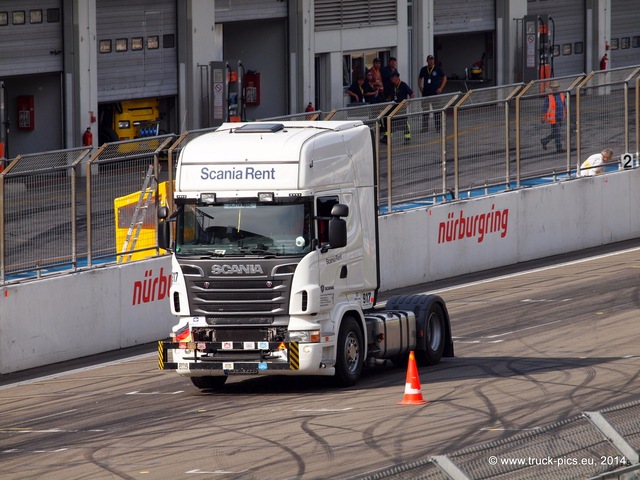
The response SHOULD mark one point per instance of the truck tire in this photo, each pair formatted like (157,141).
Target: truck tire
(209,383)
(432,319)
(350,353)
(435,335)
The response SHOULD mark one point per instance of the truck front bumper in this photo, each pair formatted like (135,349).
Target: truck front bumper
(241,358)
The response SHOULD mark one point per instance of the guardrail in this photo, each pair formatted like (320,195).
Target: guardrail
(460,145)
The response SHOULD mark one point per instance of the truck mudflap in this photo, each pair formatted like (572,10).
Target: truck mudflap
(231,358)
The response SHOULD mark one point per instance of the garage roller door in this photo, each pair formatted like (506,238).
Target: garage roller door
(137,49)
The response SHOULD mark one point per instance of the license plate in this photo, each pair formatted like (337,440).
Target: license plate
(230,368)
(242,371)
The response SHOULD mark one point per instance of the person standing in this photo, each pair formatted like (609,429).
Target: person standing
(554,112)
(377,79)
(594,165)
(386,73)
(431,81)
(399,91)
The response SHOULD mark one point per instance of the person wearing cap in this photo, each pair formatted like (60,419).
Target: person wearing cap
(594,165)
(371,93)
(377,78)
(431,81)
(399,91)
(554,111)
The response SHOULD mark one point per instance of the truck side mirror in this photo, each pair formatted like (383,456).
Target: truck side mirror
(337,232)
(338,226)
(339,210)
(164,233)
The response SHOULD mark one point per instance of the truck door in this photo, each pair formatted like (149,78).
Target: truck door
(332,268)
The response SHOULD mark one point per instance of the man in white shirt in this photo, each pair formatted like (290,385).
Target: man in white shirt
(594,165)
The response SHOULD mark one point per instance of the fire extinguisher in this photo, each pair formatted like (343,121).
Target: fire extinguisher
(87,138)
(604,61)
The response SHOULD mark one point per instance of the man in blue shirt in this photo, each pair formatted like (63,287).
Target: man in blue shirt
(431,81)
(399,91)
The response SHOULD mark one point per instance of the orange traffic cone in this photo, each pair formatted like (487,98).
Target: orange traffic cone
(412,389)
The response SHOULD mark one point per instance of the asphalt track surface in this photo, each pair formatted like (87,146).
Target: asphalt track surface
(535,344)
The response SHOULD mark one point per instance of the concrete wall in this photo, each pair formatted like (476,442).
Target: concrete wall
(76,315)
(538,222)
(80,314)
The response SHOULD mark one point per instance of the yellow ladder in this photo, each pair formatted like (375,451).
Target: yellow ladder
(137,218)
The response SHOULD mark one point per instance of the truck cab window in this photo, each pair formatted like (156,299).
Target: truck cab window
(242,228)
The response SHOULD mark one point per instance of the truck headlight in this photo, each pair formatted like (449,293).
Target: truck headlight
(305,336)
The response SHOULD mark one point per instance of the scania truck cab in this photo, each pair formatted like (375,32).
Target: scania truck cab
(275,259)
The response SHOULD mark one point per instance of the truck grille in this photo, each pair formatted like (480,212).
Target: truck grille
(242,296)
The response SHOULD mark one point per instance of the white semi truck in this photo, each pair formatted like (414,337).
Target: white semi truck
(275,259)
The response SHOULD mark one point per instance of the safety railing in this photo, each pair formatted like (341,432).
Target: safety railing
(606,112)
(541,147)
(310,116)
(40,208)
(414,145)
(114,171)
(482,138)
(75,208)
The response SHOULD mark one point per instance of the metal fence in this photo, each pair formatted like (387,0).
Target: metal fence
(59,211)
(115,171)
(39,203)
(596,445)
(533,157)
(607,111)
(76,208)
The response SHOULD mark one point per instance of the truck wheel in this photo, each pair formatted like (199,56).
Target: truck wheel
(435,337)
(350,351)
(209,383)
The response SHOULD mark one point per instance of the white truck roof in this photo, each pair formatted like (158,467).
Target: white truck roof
(266,156)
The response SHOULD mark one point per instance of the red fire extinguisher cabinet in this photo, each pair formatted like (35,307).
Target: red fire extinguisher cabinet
(252,88)
(26,120)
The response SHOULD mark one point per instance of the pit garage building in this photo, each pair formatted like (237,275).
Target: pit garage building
(67,65)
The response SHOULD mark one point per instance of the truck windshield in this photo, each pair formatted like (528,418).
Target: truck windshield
(244,229)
